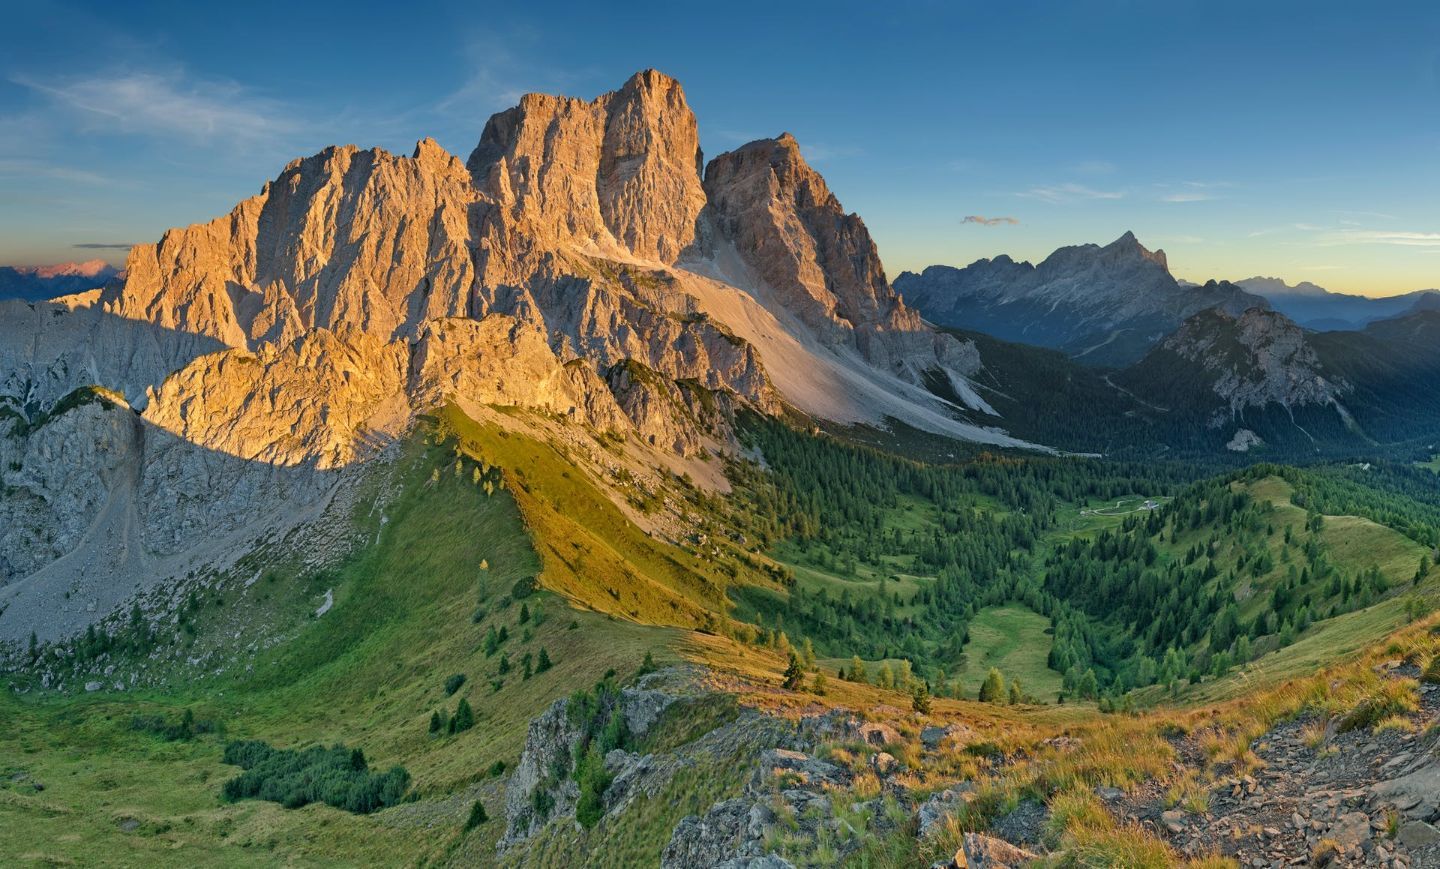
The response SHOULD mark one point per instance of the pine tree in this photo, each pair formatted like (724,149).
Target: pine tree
(794,673)
(820,684)
(543,663)
(464,717)
(857,670)
(436,724)
(524,613)
(920,700)
(477,817)
(807,654)
(1016,696)
(993,688)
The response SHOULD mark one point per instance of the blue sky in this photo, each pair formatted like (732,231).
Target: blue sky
(1293,139)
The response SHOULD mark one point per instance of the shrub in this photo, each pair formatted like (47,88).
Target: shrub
(336,776)
(590,774)
(453,683)
(497,769)
(183,729)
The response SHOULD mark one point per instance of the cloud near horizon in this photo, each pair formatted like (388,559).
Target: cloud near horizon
(981,220)
(102,245)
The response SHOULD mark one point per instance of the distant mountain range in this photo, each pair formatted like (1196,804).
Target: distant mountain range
(34,283)
(1227,383)
(1101,305)
(1315,307)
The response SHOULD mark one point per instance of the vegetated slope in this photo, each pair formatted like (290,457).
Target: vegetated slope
(450,566)
(1232,570)
(1016,641)
(1391,366)
(1045,396)
(451,563)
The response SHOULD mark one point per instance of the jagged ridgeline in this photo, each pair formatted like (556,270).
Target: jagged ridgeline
(586,502)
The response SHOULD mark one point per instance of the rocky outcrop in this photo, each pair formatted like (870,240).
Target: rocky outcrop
(1255,359)
(740,828)
(978,851)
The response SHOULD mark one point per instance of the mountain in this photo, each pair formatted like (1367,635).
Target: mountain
(1102,305)
(578,266)
(1242,377)
(33,283)
(1315,307)
(1260,378)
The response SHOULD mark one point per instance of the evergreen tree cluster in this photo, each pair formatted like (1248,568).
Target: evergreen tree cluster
(337,776)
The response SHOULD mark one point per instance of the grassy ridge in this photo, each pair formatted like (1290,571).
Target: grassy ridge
(591,553)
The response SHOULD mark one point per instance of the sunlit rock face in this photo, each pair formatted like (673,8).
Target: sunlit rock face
(576,264)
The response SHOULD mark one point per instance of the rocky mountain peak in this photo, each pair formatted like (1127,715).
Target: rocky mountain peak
(620,172)
(1129,245)
(781,217)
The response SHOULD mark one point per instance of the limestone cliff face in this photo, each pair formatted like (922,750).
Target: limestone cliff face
(344,239)
(790,228)
(313,400)
(620,172)
(781,218)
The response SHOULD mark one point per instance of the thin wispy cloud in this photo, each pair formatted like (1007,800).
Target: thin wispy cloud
(981,220)
(1385,237)
(1069,192)
(1193,191)
(32,168)
(102,245)
(169,104)
(501,71)
(1289,227)
(1187,196)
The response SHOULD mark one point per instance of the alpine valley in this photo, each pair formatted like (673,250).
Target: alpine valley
(578,501)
